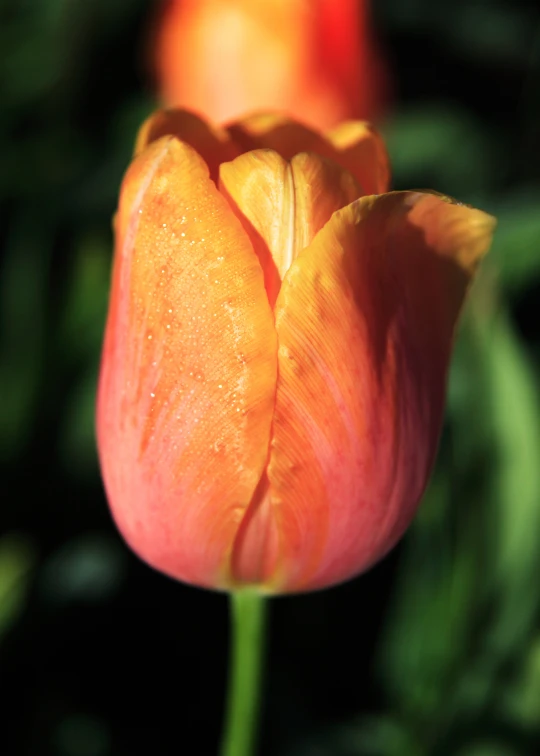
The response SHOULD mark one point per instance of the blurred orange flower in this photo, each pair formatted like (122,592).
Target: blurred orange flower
(274,367)
(312,59)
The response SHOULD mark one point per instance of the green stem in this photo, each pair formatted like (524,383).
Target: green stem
(248,611)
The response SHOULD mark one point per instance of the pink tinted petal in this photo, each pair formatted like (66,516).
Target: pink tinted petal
(365,320)
(188,372)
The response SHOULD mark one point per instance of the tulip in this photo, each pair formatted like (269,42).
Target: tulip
(276,351)
(311,59)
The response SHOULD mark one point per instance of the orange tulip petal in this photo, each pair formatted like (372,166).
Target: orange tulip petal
(189,368)
(277,132)
(365,319)
(362,150)
(354,145)
(211,142)
(285,203)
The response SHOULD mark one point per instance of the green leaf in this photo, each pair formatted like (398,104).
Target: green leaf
(16,562)
(515,484)
(83,321)
(521,698)
(426,636)
(516,247)
(440,145)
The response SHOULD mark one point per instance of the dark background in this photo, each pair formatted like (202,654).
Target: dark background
(437,649)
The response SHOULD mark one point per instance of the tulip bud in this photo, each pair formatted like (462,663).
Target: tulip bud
(312,59)
(274,368)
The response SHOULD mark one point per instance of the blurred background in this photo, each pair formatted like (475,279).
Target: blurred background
(437,649)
